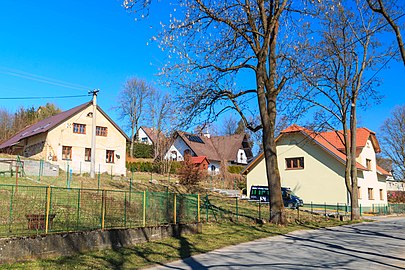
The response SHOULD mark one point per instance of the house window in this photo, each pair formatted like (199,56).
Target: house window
(67,152)
(381,195)
(174,155)
(368,164)
(87,154)
(358,192)
(370,194)
(79,128)
(144,139)
(213,168)
(294,163)
(109,157)
(101,131)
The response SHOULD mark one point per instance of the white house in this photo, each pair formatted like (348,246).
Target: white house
(147,135)
(313,164)
(65,139)
(233,149)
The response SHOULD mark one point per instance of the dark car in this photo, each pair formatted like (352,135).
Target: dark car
(290,200)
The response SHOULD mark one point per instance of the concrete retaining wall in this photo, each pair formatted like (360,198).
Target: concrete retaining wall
(31,167)
(55,245)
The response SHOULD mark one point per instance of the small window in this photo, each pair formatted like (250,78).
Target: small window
(370,194)
(381,195)
(87,154)
(144,139)
(67,152)
(368,164)
(174,155)
(358,192)
(109,157)
(79,128)
(213,168)
(294,163)
(101,131)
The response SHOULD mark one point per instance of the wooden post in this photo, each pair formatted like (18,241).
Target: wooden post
(48,204)
(198,208)
(144,209)
(174,209)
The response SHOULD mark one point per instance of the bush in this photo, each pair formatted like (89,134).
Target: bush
(142,150)
(155,167)
(190,174)
(235,169)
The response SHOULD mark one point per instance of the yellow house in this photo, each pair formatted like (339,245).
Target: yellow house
(65,140)
(313,165)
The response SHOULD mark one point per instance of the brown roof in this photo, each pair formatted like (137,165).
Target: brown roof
(51,122)
(216,148)
(153,134)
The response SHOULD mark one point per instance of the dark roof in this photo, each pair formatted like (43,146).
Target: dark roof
(216,148)
(51,122)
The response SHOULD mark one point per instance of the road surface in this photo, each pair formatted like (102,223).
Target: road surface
(377,245)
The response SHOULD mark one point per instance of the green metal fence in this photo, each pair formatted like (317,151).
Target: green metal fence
(30,210)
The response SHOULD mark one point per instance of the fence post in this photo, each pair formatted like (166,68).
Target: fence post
(48,204)
(325,209)
(11,209)
(144,209)
(16,176)
(337,209)
(260,211)
(198,208)
(103,208)
(360,210)
(98,179)
(125,209)
(237,209)
(67,175)
(312,209)
(174,208)
(78,208)
(206,207)
(130,188)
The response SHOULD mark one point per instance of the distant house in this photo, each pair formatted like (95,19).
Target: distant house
(233,149)
(313,165)
(65,139)
(147,135)
(201,162)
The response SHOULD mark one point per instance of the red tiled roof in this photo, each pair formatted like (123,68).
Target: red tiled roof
(199,159)
(382,171)
(328,141)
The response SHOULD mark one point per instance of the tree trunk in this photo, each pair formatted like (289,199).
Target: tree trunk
(348,159)
(277,214)
(354,196)
(131,147)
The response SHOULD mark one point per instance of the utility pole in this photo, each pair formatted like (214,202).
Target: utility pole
(93,134)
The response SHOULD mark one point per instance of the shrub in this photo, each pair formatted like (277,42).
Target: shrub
(235,169)
(190,174)
(142,150)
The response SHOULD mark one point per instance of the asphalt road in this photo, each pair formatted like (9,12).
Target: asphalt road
(377,245)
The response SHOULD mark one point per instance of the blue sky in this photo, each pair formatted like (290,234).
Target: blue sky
(97,44)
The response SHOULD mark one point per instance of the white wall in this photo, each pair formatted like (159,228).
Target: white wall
(179,146)
(242,159)
(370,178)
(143,137)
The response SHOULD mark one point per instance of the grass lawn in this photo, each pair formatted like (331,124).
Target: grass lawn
(214,236)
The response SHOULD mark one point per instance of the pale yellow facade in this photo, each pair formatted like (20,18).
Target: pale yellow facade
(322,178)
(52,143)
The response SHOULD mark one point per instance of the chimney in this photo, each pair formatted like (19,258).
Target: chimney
(207,133)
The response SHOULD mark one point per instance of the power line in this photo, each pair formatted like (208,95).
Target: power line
(48,97)
(43,79)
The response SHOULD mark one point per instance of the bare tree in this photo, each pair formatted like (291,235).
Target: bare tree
(212,42)
(229,125)
(131,103)
(393,140)
(345,52)
(390,11)
(161,119)
(6,124)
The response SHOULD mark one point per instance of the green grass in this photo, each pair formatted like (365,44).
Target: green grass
(214,236)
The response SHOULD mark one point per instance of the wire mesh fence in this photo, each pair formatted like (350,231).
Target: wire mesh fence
(30,210)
